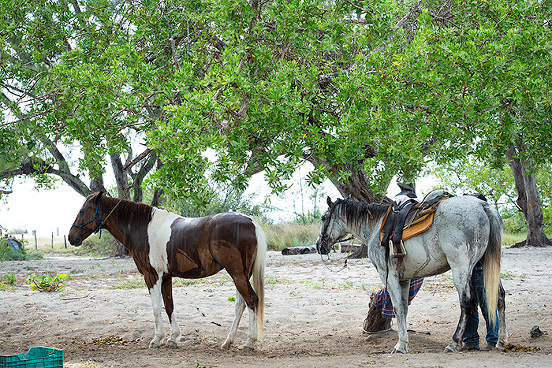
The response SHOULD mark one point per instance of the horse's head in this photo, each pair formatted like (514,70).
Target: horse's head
(88,220)
(333,228)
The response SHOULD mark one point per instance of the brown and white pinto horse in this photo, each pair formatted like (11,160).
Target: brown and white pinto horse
(164,245)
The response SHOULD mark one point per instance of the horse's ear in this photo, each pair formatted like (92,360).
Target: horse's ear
(99,195)
(329,201)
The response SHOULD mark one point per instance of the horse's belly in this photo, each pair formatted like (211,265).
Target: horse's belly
(423,262)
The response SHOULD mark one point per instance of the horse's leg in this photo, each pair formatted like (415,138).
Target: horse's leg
(235,269)
(166,291)
(461,278)
(251,300)
(398,291)
(155,293)
(502,332)
(239,308)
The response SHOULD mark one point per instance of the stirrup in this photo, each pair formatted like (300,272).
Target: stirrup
(392,252)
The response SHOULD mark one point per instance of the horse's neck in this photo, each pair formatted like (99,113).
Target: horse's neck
(367,225)
(366,231)
(125,219)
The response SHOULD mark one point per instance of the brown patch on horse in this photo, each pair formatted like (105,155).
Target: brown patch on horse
(184,262)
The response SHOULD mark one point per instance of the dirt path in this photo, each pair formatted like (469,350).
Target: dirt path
(313,316)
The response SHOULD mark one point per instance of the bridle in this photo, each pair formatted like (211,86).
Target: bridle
(324,241)
(97,218)
(324,237)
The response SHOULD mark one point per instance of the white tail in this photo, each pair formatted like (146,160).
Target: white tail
(259,276)
(491,262)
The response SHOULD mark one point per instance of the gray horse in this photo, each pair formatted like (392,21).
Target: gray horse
(464,230)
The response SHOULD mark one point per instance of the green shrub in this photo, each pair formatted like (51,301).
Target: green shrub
(10,279)
(46,282)
(98,246)
(9,254)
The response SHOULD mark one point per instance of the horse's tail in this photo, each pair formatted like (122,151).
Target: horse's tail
(491,262)
(259,276)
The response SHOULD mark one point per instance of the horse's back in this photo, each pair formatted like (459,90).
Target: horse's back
(460,231)
(197,246)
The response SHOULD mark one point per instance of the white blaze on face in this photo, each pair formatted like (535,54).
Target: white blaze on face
(159,233)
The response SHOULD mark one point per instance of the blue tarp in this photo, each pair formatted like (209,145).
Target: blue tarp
(13,244)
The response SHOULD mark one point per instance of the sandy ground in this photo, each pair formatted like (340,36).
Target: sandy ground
(313,316)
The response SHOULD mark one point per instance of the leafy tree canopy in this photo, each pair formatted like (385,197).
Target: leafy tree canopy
(363,90)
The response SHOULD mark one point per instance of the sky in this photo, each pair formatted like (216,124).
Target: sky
(53,211)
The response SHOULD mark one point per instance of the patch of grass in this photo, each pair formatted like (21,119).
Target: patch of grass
(139,283)
(509,238)
(273,280)
(8,282)
(10,279)
(129,284)
(282,236)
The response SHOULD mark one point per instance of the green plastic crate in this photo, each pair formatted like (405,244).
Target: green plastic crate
(37,357)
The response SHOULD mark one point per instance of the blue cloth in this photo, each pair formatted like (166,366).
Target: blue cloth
(13,244)
(471,337)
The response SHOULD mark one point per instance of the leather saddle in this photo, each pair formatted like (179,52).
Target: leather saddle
(408,219)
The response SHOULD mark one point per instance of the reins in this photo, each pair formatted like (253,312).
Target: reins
(325,265)
(346,259)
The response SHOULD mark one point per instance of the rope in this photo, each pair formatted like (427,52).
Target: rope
(346,259)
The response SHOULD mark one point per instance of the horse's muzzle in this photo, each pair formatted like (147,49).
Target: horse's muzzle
(74,240)
(322,247)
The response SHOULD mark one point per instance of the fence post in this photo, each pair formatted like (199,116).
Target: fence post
(52,240)
(65,241)
(34,233)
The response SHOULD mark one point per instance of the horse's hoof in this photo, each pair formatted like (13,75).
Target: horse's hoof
(501,345)
(154,345)
(395,351)
(226,345)
(172,342)
(399,348)
(452,348)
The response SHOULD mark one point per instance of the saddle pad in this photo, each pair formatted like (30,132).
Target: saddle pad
(416,227)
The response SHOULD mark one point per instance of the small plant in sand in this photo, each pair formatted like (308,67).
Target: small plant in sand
(46,282)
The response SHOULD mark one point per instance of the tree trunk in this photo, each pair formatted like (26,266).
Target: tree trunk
(356,187)
(528,199)
(121,178)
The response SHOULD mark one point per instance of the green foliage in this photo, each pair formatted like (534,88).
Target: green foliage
(8,280)
(497,184)
(9,254)
(46,282)
(98,246)
(225,89)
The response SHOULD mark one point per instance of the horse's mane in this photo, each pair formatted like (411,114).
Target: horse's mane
(359,213)
(138,211)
